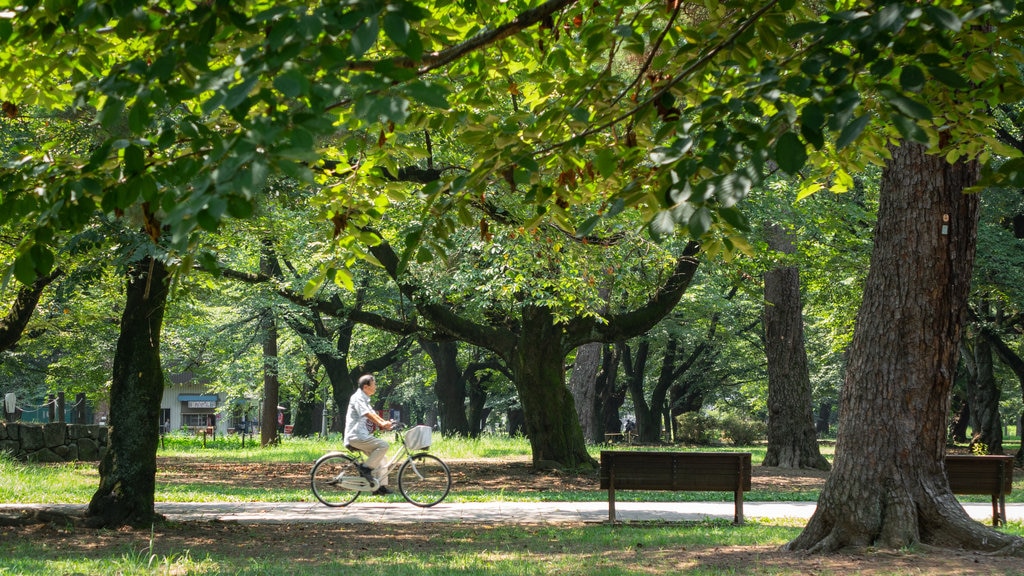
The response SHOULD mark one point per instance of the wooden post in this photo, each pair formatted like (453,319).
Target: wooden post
(61,414)
(611,492)
(80,408)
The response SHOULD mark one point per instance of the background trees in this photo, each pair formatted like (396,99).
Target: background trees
(411,127)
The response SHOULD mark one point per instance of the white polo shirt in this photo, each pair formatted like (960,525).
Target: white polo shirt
(356,427)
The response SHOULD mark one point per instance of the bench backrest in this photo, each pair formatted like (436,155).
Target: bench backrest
(696,471)
(990,475)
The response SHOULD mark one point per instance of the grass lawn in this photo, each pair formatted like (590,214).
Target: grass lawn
(709,547)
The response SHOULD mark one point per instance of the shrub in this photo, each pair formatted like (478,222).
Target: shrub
(742,431)
(696,428)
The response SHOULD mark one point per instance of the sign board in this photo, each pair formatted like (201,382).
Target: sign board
(202,404)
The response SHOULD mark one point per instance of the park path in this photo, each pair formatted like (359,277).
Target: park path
(370,512)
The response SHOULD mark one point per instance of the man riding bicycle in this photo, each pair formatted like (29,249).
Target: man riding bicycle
(357,431)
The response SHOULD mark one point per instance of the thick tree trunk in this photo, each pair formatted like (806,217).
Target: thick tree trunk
(648,416)
(961,420)
(12,326)
(888,487)
(478,412)
(450,388)
(128,469)
(271,383)
(822,423)
(1016,364)
(792,440)
(610,396)
(538,370)
(983,397)
(583,384)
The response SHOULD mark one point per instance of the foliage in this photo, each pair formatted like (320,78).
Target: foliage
(604,106)
(741,430)
(696,428)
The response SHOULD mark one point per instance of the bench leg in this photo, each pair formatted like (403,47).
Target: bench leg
(738,500)
(611,503)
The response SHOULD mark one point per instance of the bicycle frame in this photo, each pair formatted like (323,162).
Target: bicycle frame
(364,485)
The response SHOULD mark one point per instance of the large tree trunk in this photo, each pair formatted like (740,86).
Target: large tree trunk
(583,384)
(888,487)
(648,416)
(983,397)
(538,370)
(269,267)
(792,440)
(450,387)
(476,392)
(128,469)
(12,326)
(1015,363)
(271,383)
(610,396)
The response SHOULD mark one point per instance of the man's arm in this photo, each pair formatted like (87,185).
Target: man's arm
(376,419)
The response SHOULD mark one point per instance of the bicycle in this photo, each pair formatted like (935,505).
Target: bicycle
(424,480)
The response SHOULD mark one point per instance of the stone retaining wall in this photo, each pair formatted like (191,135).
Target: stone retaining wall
(54,442)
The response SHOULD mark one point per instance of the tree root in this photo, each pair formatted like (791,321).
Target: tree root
(29,517)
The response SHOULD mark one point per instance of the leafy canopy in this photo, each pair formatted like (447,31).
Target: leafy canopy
(676,109)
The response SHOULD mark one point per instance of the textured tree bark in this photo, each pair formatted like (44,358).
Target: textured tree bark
(888,487)
(610,395)
(128,469)
(792,440)
(12,326)
(1015,363)
(538,369)
(583,384)
(450,387)
(983,397)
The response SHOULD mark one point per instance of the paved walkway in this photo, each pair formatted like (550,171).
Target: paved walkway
(482,512)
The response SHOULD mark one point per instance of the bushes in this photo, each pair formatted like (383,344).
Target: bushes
(704,429)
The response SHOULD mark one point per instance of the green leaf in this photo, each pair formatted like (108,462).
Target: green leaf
(138,118)
(396,28)
(852,131)
(912,78)
(909,129)
(945,19)
(364,37)
(111,113)
(811,121)
(790,153)
(663,224)
(25,269)
(429,93)
(292,83)
(606,161)
(134,159)
(910,108)
(700,222)
(735,218)
(949,77)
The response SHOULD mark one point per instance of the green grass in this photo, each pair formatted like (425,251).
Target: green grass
(702,548)
(74,483)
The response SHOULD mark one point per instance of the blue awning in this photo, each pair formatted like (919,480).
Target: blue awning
(198,398)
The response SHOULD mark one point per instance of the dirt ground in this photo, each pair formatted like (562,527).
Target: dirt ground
(293,541)
(512,474)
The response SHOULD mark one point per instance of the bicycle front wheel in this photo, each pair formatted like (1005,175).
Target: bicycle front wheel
(326,479)
(424,480)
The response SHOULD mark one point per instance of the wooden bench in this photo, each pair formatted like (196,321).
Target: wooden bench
(988,475)
(681,471)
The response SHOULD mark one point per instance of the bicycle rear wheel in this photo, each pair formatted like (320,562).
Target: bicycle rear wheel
(424,480)
(326,477)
